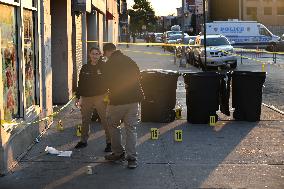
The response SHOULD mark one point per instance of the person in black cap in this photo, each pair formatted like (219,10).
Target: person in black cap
(125,92)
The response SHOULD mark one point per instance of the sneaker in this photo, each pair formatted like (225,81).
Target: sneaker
(115,157)
(81,145)
(108,147)
(132,163)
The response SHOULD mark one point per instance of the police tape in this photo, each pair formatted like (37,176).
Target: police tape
(186,45)
(152,53)
(234,54)
(8,124)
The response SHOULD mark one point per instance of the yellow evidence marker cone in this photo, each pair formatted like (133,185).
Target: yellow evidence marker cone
(79,130)
(212,121)
(178,112)
(59,126)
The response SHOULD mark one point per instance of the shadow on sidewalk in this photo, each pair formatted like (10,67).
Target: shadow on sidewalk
(186,164)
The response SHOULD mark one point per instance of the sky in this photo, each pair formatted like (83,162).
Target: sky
(162,7)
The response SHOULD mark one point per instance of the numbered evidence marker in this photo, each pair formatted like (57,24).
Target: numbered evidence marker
(263,67)
(59,126)
(178,112)
(79,130)
(154,133)
(178,135)
(212,121)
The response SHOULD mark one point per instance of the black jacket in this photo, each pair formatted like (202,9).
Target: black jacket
(91,80)
(123,79)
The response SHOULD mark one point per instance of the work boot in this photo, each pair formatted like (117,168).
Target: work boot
(115,157)
(132,163)
(108,147)
(81,145)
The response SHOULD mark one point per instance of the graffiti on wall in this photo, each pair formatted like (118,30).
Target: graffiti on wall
(9,61)
(29,58)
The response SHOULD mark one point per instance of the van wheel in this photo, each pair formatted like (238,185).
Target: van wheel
(234,65)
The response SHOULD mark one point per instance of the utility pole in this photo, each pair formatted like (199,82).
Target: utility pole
(204,24)
(182,38)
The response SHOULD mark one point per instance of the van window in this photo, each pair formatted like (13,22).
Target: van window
(263,31)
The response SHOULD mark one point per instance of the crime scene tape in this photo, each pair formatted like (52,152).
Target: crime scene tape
(186,45)
(7,124)
(153,53)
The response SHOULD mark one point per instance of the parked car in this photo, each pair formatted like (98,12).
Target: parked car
(218,52)
(276,46)
(158,37)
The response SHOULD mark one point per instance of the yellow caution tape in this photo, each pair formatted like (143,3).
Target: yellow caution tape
(186,45)
(5,123)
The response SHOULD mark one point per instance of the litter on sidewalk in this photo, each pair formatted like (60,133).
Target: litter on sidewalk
(51,150)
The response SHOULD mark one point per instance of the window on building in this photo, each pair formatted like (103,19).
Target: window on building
(251,10)
(267,11)
(29,58)
(10,65)
(280,10)
(267,1)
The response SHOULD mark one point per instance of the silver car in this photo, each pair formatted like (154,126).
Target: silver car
(219,52)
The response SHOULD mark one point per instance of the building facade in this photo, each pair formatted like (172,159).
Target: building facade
(25,76)
(43,46)
(268,12)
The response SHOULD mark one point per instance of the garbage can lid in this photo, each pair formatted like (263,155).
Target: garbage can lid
(160,71)
(249,73)
(202,74)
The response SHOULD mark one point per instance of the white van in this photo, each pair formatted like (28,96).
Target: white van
(242,32)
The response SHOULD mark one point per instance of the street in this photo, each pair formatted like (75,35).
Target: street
(230,155)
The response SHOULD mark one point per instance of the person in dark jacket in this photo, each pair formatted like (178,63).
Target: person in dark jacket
(90,94)
(125,92)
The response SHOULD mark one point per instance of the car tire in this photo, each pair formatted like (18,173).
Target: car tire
(234,65)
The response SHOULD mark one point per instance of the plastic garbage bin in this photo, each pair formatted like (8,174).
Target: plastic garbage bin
(247,94)
(159,88)
(202,96)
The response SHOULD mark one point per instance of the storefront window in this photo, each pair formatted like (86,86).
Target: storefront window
(29,59)
(9,61)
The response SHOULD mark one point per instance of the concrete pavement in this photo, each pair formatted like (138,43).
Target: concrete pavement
(229,155)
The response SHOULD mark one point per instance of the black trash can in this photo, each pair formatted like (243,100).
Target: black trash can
(247,95)
(202,96)
(159,88)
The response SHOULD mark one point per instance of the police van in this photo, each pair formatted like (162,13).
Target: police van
(242,32)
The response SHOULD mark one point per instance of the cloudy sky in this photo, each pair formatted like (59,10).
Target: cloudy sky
(162,7)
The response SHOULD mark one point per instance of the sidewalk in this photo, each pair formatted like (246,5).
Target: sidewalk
(229,155)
